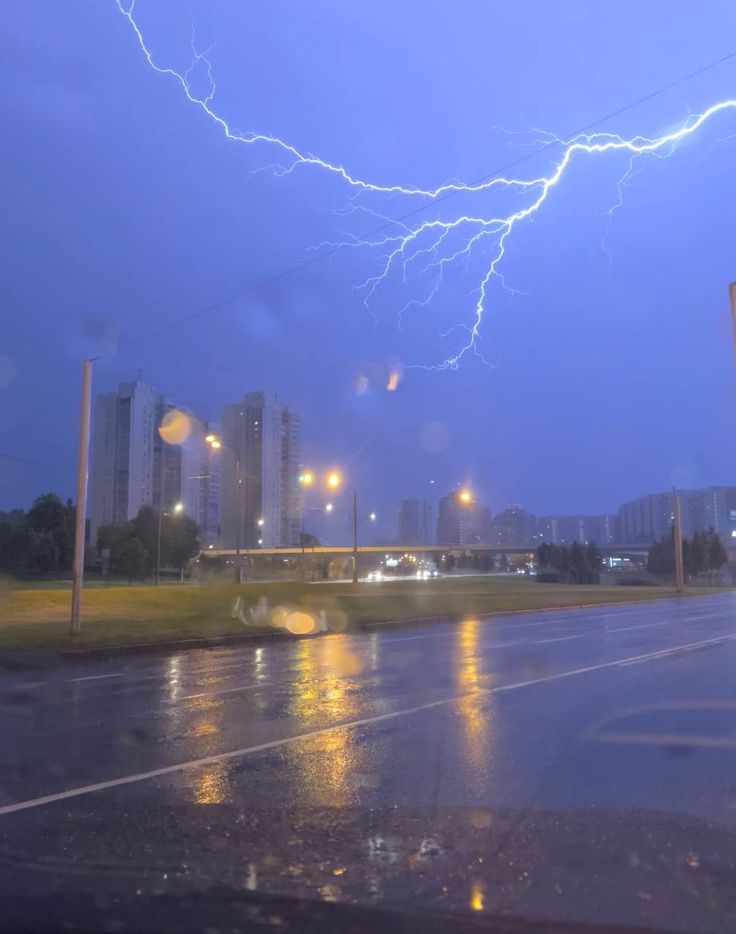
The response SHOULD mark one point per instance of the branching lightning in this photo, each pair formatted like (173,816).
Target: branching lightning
(427,249)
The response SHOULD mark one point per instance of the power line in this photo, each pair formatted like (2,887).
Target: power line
(313,260)
(24,460)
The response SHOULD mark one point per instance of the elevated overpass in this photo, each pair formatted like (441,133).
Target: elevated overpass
(608,551)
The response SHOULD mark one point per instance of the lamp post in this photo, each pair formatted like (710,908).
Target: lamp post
(306,479)
(334,482)
(176,509)
(732,296)
(216,444)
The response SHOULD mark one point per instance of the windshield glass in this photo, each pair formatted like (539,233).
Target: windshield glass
(367,492)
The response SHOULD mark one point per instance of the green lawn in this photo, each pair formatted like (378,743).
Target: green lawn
(37,617)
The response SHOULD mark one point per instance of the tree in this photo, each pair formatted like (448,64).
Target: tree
(503,563)
(576,564)
(661,558)
(703,552)
(17,543)
(50,516)
(179,540)
(716,553)
(593,561)
(133,559)
(46,558)
(694,554)
(112,538)
(145,528)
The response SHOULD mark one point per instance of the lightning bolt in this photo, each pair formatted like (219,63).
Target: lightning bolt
(429,248)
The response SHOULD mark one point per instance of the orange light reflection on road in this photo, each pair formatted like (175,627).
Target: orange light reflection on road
(323,695)
(474,710)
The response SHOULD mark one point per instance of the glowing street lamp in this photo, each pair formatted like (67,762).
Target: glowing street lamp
(372,517)
(465,497)
(334,481)
(216,444)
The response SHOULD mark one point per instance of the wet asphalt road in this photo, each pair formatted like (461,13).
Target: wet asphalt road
(576,764)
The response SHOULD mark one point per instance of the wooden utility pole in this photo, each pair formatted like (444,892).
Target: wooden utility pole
(75,623)
(677,536)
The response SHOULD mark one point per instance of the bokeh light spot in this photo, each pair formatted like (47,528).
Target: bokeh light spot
(175,427)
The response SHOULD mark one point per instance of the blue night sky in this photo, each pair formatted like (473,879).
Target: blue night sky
(609,373)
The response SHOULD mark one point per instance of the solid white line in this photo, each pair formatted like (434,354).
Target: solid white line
(580,635)
(116,674)
(324,731)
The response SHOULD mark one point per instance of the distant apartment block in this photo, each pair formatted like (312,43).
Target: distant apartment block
(133,465)
(514,527)
(649,518)
(460,523)
(415,522)
(563,530)
(263,439)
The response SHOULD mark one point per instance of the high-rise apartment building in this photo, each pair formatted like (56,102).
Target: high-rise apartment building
(563,530)
(515,527)
(649,518)
(200,481)
(415,522)
(262,443)
(462,523)
(134,465)
(123,441)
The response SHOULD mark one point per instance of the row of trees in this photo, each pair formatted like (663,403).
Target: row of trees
(573,564)
(702,554)
(475,561)
(39,540)
(129,549)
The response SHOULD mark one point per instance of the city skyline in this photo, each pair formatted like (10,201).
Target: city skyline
(561,527)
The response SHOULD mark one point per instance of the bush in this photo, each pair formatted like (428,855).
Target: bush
(547,577)
(634,582)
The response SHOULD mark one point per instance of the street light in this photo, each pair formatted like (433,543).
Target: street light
(215,443)
(175,510)
(465,497)
(372,517)
(306,479)
(334,481)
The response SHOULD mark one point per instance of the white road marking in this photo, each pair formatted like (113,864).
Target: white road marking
(667,622)
(116,674)
(668,739)
(351,724)
(243,687)
(580,635)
